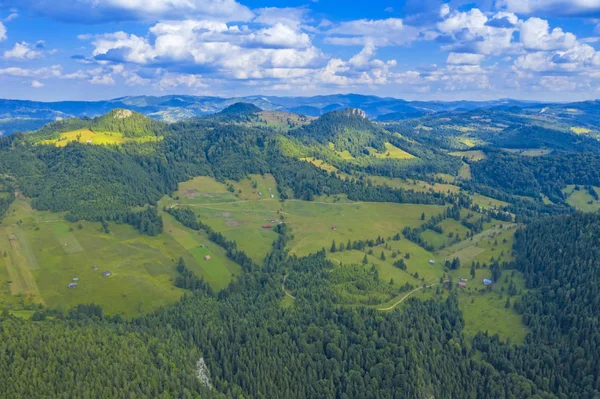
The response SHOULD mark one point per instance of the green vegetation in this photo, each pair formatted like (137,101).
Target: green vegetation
(257,254)
(583,198)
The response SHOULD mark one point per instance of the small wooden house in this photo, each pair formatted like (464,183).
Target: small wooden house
(207,257)
(106,273)
(461,284)
(267,226)
(72,285)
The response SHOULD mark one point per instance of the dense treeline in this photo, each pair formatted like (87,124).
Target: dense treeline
(560,258)
(534,176)
(94,358)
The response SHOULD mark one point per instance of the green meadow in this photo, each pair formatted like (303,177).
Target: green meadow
(581,199)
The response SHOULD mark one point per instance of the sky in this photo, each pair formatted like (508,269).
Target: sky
(54,50)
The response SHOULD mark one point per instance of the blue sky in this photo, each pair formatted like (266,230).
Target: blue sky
(415,49)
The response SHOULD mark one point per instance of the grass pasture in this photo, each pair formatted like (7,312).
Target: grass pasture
(581,199)
(40,266)
(97,138)
(202,189)
(392,152)
(482,247)
(485,311)
(219,270)
(529,152)
(473,155)
(312,223)
(580,130)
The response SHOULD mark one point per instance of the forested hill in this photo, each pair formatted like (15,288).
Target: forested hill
(122,121)
(349,130)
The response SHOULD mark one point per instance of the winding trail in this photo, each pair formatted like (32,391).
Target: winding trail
(406,296)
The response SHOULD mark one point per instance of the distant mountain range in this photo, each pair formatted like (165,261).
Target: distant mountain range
(21,115)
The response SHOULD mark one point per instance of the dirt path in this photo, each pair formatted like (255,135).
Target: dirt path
(284,290)
(406,296)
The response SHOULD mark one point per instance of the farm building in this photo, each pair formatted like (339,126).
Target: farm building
(462,279)
(431,262)
(106,273)
(207,257)
(95,268)
(76,279)
(272,196)
(487,281)
(334,228)
(267,226)
(72,285)
(461,284)
(260,193)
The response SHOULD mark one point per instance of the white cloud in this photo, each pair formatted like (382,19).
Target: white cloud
(2,32)
(464,59)
(474,32)
(212,46)
(557,8)
(99,11)
(102,80)
(381,32)
(36,84)
(22,51)
(292,17)
(280,36)
(11,17)
(536,35)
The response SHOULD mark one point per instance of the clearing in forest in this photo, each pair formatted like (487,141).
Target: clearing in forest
(97,138)
(581,199)
(473,155)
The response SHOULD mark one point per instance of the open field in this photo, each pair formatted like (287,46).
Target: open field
(256,187)
(529,152)
(46,253)
(487,202)
(581,199)
(219,269)
(202,189)
(486,311)
(392,152)
(473,155)
(494,242)
(580,130)
(465,172)
(96,138)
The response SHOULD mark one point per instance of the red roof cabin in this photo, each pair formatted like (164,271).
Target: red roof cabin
(267,226)
(207,257)
(333,227)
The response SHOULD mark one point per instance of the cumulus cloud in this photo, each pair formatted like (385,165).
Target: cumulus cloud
(2,32)
(22,51)
(210,46)
(100,11)
(473,32)
(536,35)
(36,84)
(554,8)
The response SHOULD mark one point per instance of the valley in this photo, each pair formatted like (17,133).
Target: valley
(131,220)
